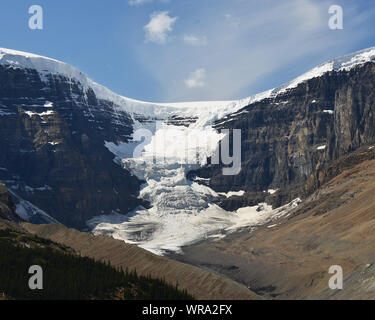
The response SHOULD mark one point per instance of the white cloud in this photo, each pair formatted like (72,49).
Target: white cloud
(159,26)
(196,79)
(138,2)
(252,46)
(141,2)
(194,40)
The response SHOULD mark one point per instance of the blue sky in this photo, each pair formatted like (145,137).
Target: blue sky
(183,50)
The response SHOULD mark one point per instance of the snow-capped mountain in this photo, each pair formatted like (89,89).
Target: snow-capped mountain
(216,109)
(69,129)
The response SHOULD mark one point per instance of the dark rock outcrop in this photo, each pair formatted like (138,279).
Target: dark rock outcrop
(289,137)
(52,152)
(324,175)
(7,208)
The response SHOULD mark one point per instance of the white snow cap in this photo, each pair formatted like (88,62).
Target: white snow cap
(209,110)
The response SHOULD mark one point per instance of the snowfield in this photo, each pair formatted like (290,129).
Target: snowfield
(182,211)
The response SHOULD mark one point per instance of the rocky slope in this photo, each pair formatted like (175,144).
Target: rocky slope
(203,285)
(290,259)
(69,276)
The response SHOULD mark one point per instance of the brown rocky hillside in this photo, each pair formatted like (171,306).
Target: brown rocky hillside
(200,283)
(290,260)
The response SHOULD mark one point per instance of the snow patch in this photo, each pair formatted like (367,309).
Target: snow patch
(28,212)
(48,104)
(32,190)
(232,193)
(272,191)
(40,114)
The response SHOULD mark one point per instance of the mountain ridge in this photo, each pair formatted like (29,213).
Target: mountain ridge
(48,65)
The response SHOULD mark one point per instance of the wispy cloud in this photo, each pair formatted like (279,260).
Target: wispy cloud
(139,2)
(196,79)
(194,40)
(159,26)
(252,46)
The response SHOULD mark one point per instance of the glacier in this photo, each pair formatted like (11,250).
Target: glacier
(182,211)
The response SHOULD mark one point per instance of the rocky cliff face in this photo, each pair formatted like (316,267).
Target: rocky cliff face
(287,138)
(52,153)
(7,208)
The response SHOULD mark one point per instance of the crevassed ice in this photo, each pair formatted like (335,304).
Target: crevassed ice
(182,211)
